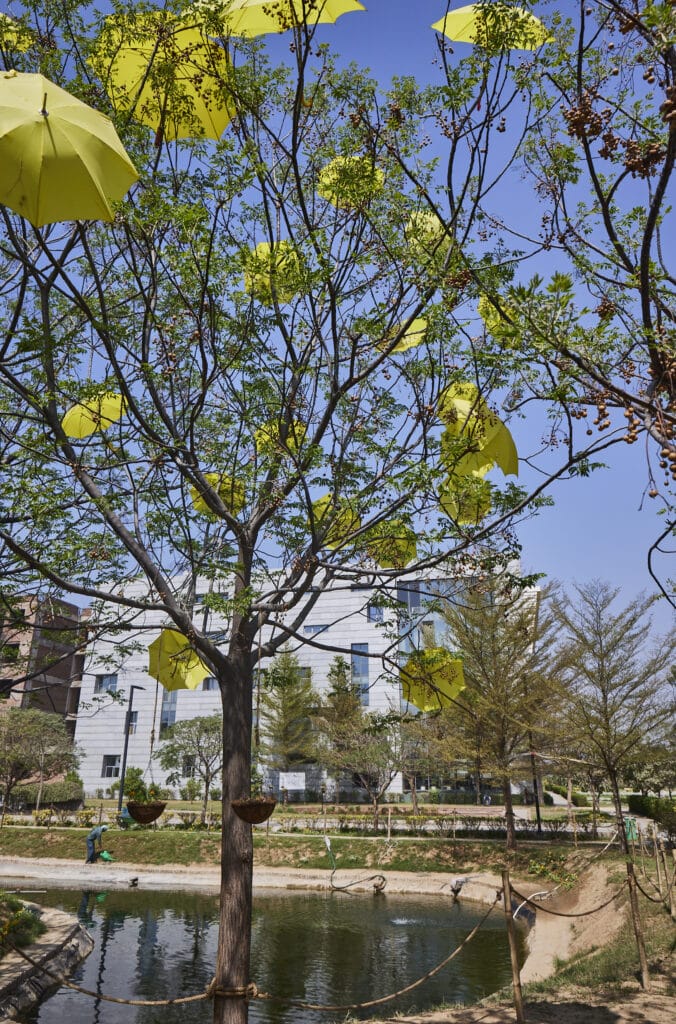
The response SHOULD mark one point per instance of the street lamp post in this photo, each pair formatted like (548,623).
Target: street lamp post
(127,725)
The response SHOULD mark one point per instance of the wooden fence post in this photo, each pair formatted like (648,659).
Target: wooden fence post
(638,928)
(513,952)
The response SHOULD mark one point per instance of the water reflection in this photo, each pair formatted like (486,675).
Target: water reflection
(317,947)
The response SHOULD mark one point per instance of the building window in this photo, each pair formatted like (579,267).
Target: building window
(9,654)
(105,683)
(110,769)
(188,768)
(312,630)
(210,683)
(359,671)
(168,712)
(374,613)
(133,722)
(305,673)
(408,596)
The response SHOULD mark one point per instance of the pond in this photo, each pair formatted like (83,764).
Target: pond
(323,948)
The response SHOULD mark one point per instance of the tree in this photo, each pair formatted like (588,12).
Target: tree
(613,680)
(503,636)
(32,743)
(196,745)
(287,703)
(279,317)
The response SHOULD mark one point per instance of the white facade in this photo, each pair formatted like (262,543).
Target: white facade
(343,619)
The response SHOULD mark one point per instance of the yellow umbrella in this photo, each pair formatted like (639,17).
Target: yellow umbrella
(94,414)
(14,35)
(412,337)
(269,444)
(431,679)
(345,520)
(498,25)
(496,324)
(59,158)
(391,544)
(231,493)
(466,415)
(174,663)
(426,236)
(467,499)
(274,271)
(166,73)
(260,17)
(350,181)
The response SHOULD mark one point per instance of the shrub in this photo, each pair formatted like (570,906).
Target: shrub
(69,791)
(19,926)
(215,794)
(191,790)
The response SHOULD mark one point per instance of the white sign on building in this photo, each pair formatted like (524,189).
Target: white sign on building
(291,780)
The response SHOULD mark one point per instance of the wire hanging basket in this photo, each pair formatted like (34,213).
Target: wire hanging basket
(145,813)
(255,809)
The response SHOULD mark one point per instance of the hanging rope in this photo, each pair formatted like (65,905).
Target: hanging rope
(653,899)
(250,991)
(560,913)
(379,881)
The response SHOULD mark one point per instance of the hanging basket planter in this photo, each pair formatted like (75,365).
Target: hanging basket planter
(146,813)
(254,809)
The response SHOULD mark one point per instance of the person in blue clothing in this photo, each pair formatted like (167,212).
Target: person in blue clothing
(94,836)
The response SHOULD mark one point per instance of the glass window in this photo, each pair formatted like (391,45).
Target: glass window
(188,768)
(210,683)
(305,673)
(359,671)
(105,683)
(374,613)
(312,630)
(110,769)
(133,722)
(168,712)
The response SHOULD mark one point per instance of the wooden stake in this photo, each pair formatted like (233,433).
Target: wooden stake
(513,952)
(638,928)
(658,867)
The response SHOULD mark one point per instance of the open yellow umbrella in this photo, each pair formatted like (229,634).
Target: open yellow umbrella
(426,236)
(498,25)
(432,678)
(174,663)
(59,159)
(467,416)
(94,414)
(350,181)
(391,544)
(231,492)
(345,520)
(268,441)
(260,17)
(14,35)
(274,271)
(166,73)
(413,336)
(466,499)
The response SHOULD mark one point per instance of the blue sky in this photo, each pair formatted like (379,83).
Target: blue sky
(601,526)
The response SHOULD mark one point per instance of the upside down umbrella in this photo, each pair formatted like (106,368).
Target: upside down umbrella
(432,679)
(59,159)
(260,17)
(94,414)
(166,73)
(495,25)
(174,663)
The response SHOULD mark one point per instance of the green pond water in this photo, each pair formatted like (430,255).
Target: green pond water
(318,947)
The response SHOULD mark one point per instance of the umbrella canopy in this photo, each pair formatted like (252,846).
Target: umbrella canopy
(391,544)
(269,443)
(59,159)
(166,73)
(345,520)
(498,25)
(413,336)
(274,272)
(260,17)
(174,663)
(231,492)
(350,181)
(466,499)
(14,35)
(467,417)
(431,679)
(94,414)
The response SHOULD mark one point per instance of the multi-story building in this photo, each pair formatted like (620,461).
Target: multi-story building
(369,627)
(41,654)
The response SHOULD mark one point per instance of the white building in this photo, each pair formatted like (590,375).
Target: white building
(368,629)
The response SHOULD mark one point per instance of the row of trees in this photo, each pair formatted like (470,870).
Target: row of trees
(568,680)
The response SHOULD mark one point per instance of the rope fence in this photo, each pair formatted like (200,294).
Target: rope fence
(505,893)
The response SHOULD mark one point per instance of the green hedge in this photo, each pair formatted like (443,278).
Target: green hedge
(579,799)
(66,792)
(660,809)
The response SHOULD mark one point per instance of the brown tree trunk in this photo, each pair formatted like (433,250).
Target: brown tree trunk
(510,842)
(234,936)
(619,816)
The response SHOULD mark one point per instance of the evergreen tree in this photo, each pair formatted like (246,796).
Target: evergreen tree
(287,704)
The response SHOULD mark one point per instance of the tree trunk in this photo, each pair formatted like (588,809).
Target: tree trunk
(619,816)
(510,842)
(205,802)
(477,778)
(414,793)
(234,936)
(376,815)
